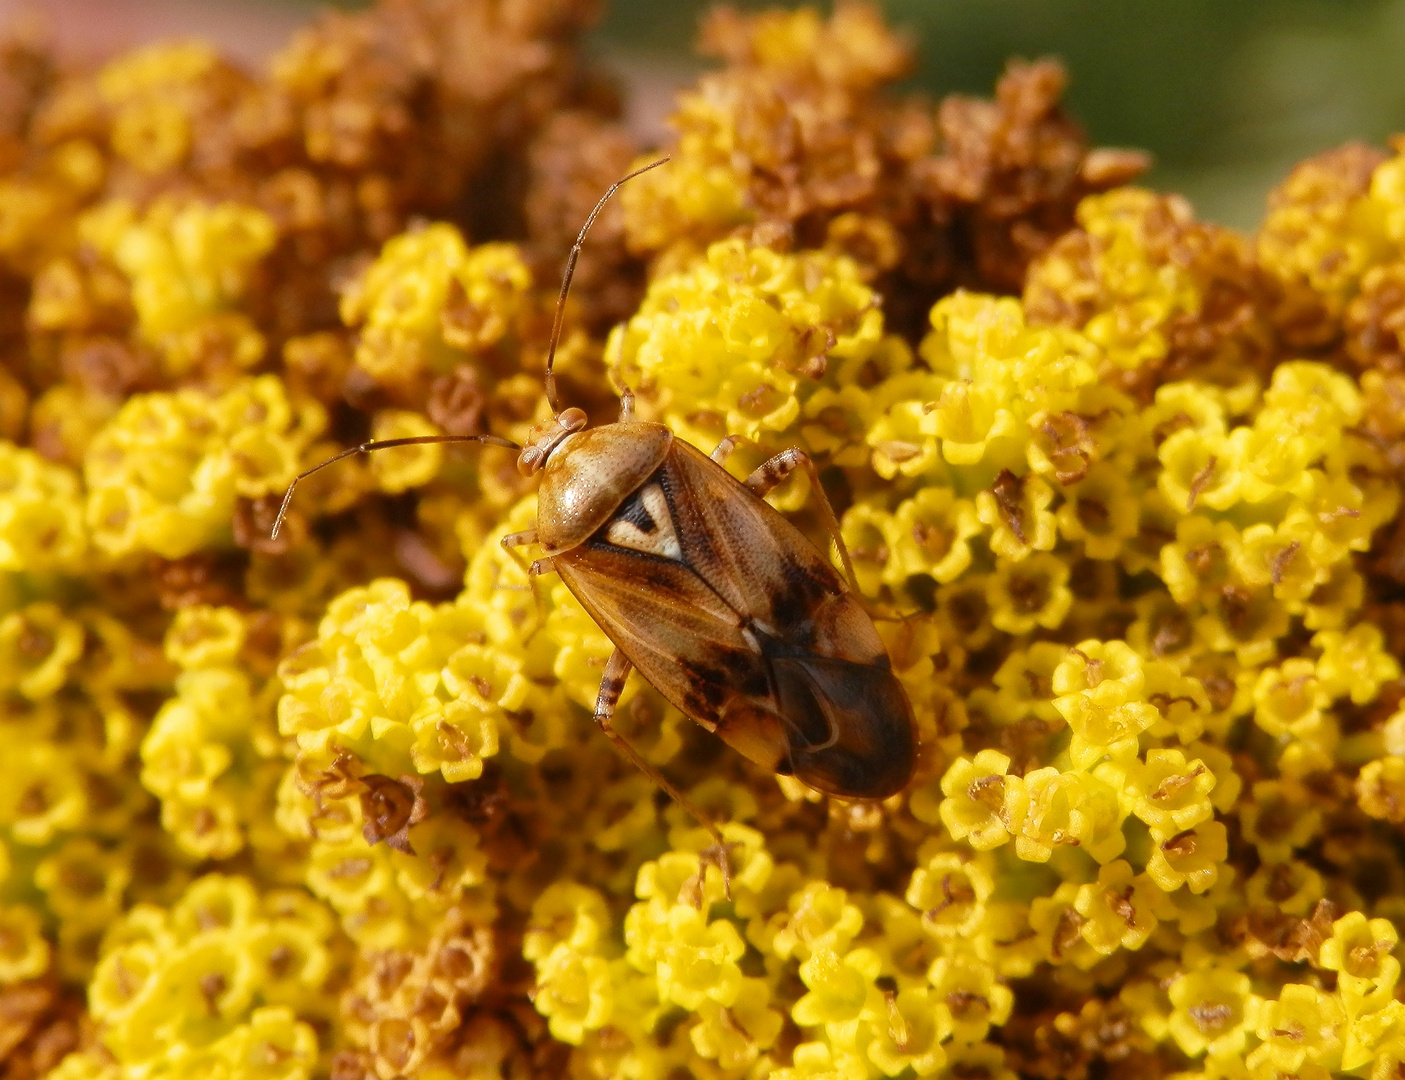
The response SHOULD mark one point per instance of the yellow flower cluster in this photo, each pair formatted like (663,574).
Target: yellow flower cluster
(188,265)
(1161,294)
(224,982)
(163,475)
(333,803)
(42,527)
(149,92)
(430,303)
(211,754)
(750,342)
(890,985)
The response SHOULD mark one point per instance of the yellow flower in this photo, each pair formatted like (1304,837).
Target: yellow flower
(1100,511)
(1026,684)
(565,914)
(1030,593)
(38,646)
(840,986)
(951,893)
(430,301)
(746,333)
(735,1036)
(574,994)
(1359,950)
(1304,1025)
(931,535)
(911,1037)
(41,514)
(1117,908)
(164,473)
(693,959)
(1213,1007)
(1016,510)
(1191,857)
(970,997)
(1290,699)
(1293,886)
(820,918)
(1168,792)
(871,534)
(1380,789)
(977,794)
(1056,809)
(1100,686)
(1354,663)
(1278,819)
(24,953)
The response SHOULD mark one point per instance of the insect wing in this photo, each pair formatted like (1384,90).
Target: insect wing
(682,637)
(761,564)
(849,726)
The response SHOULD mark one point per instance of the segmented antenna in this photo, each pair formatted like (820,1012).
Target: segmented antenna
(383,444)
(570,272)
(493,440)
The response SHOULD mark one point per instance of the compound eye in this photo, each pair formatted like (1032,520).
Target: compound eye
(530,461)
(572,419)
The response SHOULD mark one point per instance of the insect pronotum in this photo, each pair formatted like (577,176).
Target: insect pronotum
(709,593)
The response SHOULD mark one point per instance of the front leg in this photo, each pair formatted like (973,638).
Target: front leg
(534,570)
(617,670)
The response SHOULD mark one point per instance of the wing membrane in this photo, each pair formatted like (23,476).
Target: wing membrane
(750,555)
(681,636)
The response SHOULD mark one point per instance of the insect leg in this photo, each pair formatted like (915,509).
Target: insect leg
(534,570)
(773,470)
(725,448)
(626,404)
(617,670)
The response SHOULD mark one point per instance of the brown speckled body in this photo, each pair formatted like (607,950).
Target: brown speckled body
(589,474)
(725,608)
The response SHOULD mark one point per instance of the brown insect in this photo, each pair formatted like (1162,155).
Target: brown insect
(706,590)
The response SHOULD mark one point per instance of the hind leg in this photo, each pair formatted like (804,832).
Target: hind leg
(617,670)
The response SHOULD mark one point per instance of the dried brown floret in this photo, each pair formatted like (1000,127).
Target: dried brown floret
(1375,320)
(456,401)
(409,1010)
(1055,1044)
(1310,244)
(1011,172)
(252,526)
(40,1023)
(1265,931)
(391,807)
(574,159)
(27,74)
(203,578)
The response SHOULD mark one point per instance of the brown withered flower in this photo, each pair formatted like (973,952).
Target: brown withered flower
(391,808)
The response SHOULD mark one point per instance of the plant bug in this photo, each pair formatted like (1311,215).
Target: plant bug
(708,592)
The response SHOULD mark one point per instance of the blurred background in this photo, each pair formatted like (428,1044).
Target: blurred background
(1227,95)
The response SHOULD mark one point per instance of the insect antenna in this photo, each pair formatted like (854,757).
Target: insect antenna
(383,444)
(570,273)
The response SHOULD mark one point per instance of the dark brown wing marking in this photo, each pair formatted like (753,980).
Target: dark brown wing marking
(850,726)
(751,556)
(680,635)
